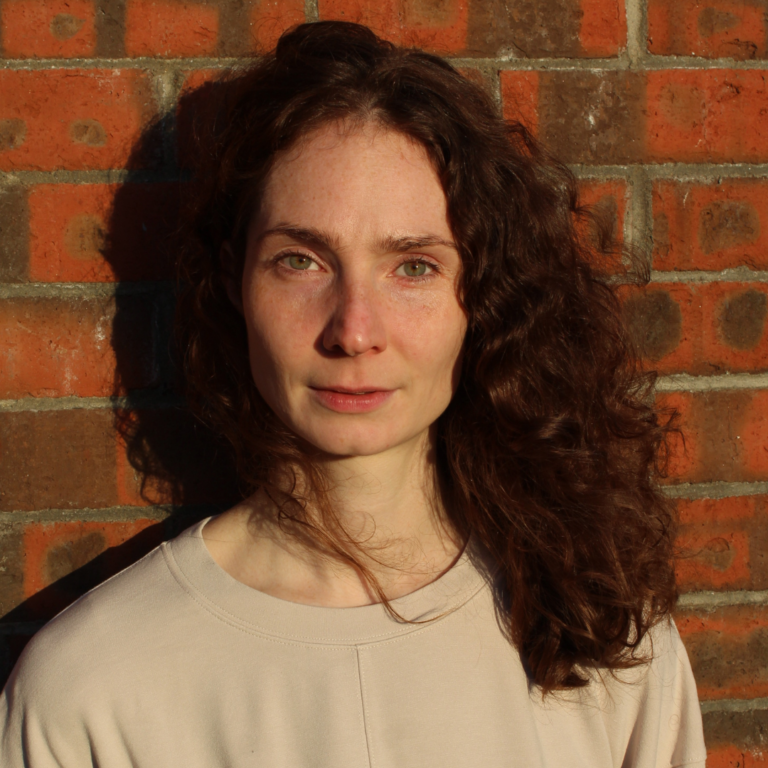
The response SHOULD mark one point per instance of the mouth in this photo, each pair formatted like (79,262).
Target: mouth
(351,399)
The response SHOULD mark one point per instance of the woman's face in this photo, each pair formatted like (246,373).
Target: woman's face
(350,292)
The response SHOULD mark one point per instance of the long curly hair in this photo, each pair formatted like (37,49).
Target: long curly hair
(550,449)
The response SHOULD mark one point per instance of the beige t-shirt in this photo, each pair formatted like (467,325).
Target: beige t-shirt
(173,663)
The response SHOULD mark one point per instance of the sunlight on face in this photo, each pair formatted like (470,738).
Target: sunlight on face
(349,292)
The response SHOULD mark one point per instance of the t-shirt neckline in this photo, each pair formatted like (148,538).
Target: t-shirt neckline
(199,574)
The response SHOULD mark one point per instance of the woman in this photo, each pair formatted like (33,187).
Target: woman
(454,553)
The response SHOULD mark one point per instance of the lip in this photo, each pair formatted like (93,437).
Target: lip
(346,400)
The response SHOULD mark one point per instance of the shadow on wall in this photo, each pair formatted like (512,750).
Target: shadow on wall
(171,470)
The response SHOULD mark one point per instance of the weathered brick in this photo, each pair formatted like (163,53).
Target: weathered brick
(269,19)
(102,232)
(661,320)
(11,568)
(520,97)
(723,543)
(710,226)
(57,459)
(103,117)
(14,233)
(48,28)
(529,28)
(440,26)
(171,28)
(736,739)
(728,649)
(700,328)
(167,457)
(603,27)
(64,560)
(608,200)
(593,117)
(659,116)
(55,347)
(725,435)
(718,28)
(714,116)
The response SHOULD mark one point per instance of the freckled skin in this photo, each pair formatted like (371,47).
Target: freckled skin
(349,311)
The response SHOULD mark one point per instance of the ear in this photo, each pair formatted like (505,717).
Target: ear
(231,282)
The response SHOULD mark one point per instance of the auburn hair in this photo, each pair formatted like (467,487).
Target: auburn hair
(549,451)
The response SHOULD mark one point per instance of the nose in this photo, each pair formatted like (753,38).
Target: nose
(355,326)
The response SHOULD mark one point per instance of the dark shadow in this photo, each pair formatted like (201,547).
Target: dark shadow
(168,458)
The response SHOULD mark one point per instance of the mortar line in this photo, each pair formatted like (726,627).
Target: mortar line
(733,705)
(636,31)
(120,513)
(638,223)
(635,62)
(84,290)
(684,382)
(110,176)
(715,490)
(733,275)
(311,10)
(713,600)
(682,172)
(140,399)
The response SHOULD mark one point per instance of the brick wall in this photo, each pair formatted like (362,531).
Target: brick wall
(659,106)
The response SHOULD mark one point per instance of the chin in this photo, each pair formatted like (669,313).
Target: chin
(343,441)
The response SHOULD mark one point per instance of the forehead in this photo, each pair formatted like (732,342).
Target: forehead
(352,176)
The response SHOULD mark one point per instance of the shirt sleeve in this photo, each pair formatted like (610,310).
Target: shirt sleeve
(668,731)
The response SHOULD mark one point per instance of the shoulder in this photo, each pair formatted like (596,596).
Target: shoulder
(662,695)
(68,670)
(99,624)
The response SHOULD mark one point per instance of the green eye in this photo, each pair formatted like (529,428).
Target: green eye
(297,261)
(415,268)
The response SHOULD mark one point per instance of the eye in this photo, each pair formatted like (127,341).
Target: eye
(300,262)
(414,269)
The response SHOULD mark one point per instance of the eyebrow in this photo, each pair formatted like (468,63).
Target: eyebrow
(390,244)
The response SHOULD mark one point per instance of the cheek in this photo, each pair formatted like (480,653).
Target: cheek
(431,336)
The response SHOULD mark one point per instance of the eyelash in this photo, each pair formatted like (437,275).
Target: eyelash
(435,268)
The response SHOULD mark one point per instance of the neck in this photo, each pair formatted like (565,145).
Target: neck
(386,503)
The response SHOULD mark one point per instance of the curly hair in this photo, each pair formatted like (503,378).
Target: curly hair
(550,449)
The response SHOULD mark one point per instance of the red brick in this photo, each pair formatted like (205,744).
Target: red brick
(700,328)
(48,28)
(603,29)
(64,560)
(725,434)
(728,28)
(435,26)
(520,97)
(620,117)
(72,119)
(722,544)
(167,457)
(102,232)
(57,460)
(270,18)
(14,233)
(51,347)
(608,199)
(710,226)
(707,116)
(157,28)
(726,649)
(593,117)
(11,569)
